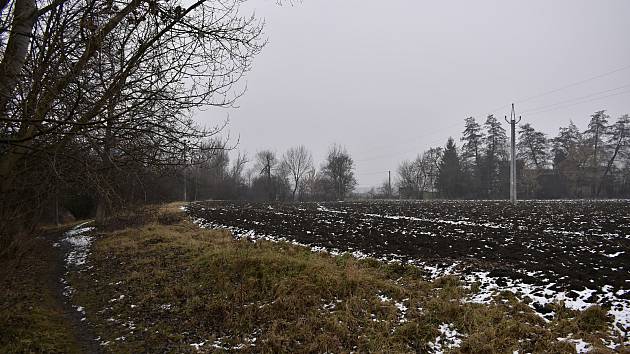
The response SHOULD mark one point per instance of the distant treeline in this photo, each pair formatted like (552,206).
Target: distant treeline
(212,171)
(593,163)
(268,176)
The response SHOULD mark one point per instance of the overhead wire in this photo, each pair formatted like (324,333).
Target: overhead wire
(492,111)
(574,84)
(574,99)
(581,102)
(530,112)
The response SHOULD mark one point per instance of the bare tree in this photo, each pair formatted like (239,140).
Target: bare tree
(92,91)
(408,179)
(298,161)
(238,166)
(338,168)
(266,163)
(430,168)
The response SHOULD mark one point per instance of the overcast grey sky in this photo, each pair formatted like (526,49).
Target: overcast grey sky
(388,79)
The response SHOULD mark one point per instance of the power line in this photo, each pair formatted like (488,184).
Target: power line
(577,103)
(575,99)
(414,139)
(410,149)
(535,113)
(371,173)
(573,84)
(531,112)
(542,94)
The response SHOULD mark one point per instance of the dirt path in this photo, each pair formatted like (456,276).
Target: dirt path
(81,329)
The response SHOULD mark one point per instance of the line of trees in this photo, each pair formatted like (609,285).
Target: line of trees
(594,163)
(96,98)
(291,176)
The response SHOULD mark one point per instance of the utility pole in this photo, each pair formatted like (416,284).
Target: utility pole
(513,123)
(389,184)
(185,186)
(184,172)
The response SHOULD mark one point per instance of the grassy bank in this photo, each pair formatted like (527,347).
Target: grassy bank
(165,284)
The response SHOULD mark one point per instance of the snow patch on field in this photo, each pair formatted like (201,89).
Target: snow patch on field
(541,296)
(326,210)
(449,338)
(439,221)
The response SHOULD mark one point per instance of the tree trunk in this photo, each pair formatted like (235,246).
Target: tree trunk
(608,167)
(295,189)
(12,62)
(17,47)
(101,211)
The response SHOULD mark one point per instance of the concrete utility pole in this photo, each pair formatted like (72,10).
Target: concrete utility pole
(389,184)
(184,173)
(513,123)
(185,187)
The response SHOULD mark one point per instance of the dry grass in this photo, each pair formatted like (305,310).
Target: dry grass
(167,284)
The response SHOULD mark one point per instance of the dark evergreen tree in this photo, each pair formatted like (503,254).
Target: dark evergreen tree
(532,152)
(596,135)
(449,182)
(565,143)
(532,147)
(495,151)
(473,141)
(471,156)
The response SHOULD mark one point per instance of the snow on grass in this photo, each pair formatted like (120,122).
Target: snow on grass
(198,346)
(580,345)
(449,338)
(542,295)
(332,305)
(221,343)
(384,298)
(402,308)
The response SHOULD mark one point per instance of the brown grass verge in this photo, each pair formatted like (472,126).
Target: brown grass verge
(164,285)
